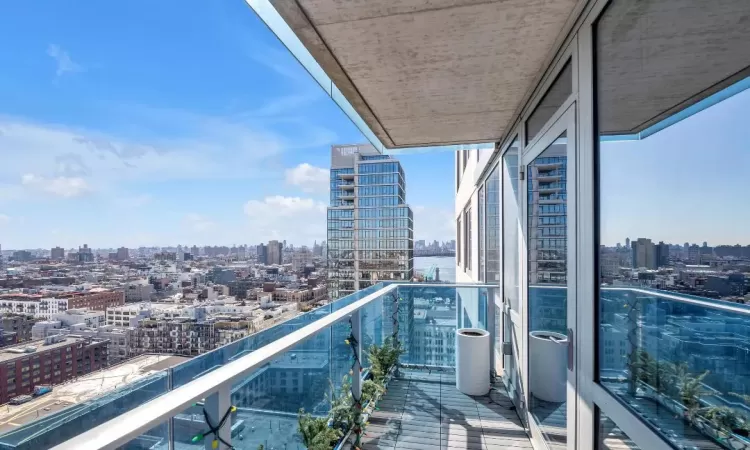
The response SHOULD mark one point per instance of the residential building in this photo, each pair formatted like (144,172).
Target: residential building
(57,253)
(644,253)
(182,336)
(301,258)
(33,305)
(22,256)
(261,252)
(95,299)
(18,324)
(138,291)
(123,254)
(370,225)
(127,315)
(51,361)
(275,251)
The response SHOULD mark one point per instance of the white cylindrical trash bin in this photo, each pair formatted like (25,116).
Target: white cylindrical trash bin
(548,365)
(473,361)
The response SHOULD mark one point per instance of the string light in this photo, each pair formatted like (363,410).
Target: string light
(353,344)
(214,430)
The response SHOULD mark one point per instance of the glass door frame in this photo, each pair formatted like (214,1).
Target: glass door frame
(564,121)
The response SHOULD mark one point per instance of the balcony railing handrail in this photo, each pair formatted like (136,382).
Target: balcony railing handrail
(708,303)
(131,424)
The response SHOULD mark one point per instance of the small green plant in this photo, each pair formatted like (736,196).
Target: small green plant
(316,434)
(691,390)
(370,390)
(384,358)
(260,447)
(724,419)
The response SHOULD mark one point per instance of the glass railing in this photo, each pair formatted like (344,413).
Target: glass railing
(269,398)
(680,362)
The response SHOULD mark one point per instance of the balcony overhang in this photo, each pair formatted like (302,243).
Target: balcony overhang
(423,72)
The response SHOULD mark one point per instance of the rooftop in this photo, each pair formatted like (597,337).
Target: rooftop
(85,388)
(7,353)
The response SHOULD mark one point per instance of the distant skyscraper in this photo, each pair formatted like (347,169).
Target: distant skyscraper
(662,254)
(370,226)
(261,252)
(644,254)
(123,254)
(627,242)
(57,253)
(275,249)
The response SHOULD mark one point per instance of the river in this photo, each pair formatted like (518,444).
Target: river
(446,264)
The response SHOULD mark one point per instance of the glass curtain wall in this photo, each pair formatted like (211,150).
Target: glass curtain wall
(674,245)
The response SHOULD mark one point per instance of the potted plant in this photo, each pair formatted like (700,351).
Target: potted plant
(316,434)
(384,360)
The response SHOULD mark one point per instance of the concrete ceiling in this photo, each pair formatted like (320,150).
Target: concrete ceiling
(657,57)
(431,72)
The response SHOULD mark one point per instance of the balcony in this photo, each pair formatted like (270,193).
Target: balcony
(652,343)
(270,375)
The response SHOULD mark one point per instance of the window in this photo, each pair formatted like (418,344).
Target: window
(611,437)
(467,238)
(480,234)
(492,232)
(560,90)
(459,236)
(673,242)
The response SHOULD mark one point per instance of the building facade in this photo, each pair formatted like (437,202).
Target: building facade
(370,225)
(51,361)
(275,252)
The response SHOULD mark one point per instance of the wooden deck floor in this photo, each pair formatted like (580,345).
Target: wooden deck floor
(425,411)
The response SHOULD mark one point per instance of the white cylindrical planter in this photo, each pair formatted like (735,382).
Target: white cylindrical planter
(548,365)
(473,361)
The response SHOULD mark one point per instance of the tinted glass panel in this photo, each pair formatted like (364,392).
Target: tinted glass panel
(552,100)
(674,246)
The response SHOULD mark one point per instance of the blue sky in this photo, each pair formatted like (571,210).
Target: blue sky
(686,183)
(170,122)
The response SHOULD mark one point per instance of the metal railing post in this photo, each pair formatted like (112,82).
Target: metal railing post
(490,315)
(356,370)
(217,404)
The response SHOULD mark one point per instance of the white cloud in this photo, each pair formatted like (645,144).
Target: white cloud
(65,187)
(187,147)
(198,223)
(295,219)
(434,224)
(309,178)
(4,219)
(64,63)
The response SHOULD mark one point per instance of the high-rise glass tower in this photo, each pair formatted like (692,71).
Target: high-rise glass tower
(370,226)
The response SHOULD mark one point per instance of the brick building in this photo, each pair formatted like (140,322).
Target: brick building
(95,299)
(52,361)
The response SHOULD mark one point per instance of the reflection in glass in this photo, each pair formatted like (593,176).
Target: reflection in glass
(546,192)
(493,226)
(674,333)
(560,90)
(611,437)
(481,233)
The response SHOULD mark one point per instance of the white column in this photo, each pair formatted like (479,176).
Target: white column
(356,373)
(217,405)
